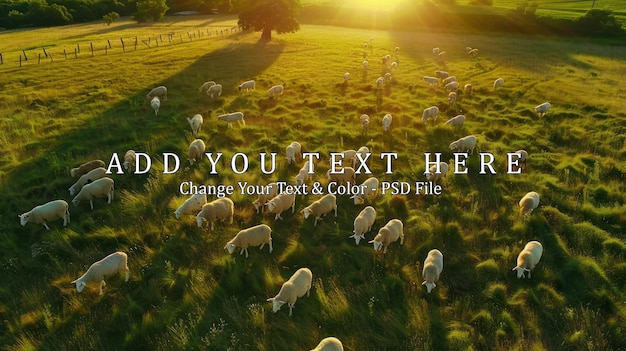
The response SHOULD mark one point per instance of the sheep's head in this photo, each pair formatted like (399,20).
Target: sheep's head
(230,247)
(357,238)
(276,304)
(271,206)
(520,271)
(75,201)
(200,221)
(429,286)
(306,212)
(358,199)
(24,217)
(80,285)
(454,146)
(377,245)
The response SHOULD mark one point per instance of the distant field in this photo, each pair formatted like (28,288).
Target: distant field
(186,291)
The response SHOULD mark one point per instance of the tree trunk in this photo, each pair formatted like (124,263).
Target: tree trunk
(267,34)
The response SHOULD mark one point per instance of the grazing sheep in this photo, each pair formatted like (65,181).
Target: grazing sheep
(542,109)
(457,120)
(394,65)
(88,177)
(155,103)
(451,99)
(528,203)
(247,85)
(433,266)
(430,113)
(528,258)
(432,81)
(379,82)
(99,188)
(363,151)
(275,91)
(329,344)
(205,86)
(298,285)
(253,236)
(466,143)
(365,64)
(441,56)
(270,191)
(86,167)
(431,175)
(468,49)
(219,209)
(232,117)
(346,155)
(303,175)
(343,175)
(160,92)
(442,74)
(129,161)
(436,51)
(519,157)
(280,203)
(47,212)
(196,149)
(498,83)
(449,80)
(367,190)
(473,52)
(214,91)
(321,207)
(346,77)
(387,77)
(468,89)
(363,223)
(112,264)
(396,49)
(191,206)
(387,122)
(293,151)
(195,123)
(389,233)
(365,122)
(452,86)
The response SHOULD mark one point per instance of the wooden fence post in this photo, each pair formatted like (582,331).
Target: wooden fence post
(78,47)
(25,57)
(122,40)
(44,52)
(38,58)
(108,41)
(65,54)
(20,60)
(75,54)
(135,43)
(1,61)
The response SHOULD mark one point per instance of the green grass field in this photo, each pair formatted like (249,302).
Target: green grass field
(186,292)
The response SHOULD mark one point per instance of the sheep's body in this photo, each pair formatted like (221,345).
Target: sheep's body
(155,103)
(275,91)
(430,113)
(433,176)
(365,122)
(88,177)
(191,206)
(214,91)
(281,203)
(449,80)
(219,209)
(362,152)
(442,74)
(451,98)
(160,92)
(321,207)
(346,77)
(247,85)
(293,151)
(367,190)
(528,258)
(528,203)
(112,264)
(392,231)
(498,83)
(269,193)
(99,188)
(196,149)
(387,77)
(129,161)
(342,175)
(473,52)
(329,344)
(232,117)
(195,123)
(542,109)
(205,86)
(365,65)
(47,212)
(520,157)
(466,143)
(303,176)
(363,223)
(452,86)
(253,236)
(379,82)
(457,121)
(433,266)
(298,285)
(431,80)
(349,156)
(86,167)
(387,122)
(468,89)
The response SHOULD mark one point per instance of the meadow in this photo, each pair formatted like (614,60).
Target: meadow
(187,292)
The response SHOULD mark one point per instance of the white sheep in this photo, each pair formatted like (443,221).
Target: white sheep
(498,83)
(329,344)
(196,150)
(362,152)
(441,56)
(449,79)
(542,109)
(519,157)
(321,207)
(365,122)
(432,81)
(390,232)
(468,89)
(155,103)
(452,86)
(298,285)
(112,264)
(268,193)
(367,190)
(219,209)
(432,174)
(451,98)
(387,77)
(275,91)
(294,152)
(436,51)
(466,143)
(214,91)
(396,49)
(473,52)
(205,86)
(247,85)
(280,203)
(129,161)
(347,155)
(394,65)
(387,122)
(363,223)
(442,74)
(99,188)
(433,266)
(232,117)
(195,123)
(47,212)
(528,203)
(86,167)
(430,113)
(346,77)
(457,120)
(160,92)
(379,82)
(365,65)
(342,175)
(468,49)
(528,258)
(88,177)
(303,176)
(191,206)
(253,236)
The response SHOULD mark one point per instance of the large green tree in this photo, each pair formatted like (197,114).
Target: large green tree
(268,15)
(150,10)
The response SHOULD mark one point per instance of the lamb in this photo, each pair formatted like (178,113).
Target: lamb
(280,203)
(433,266)
(388,234)
(112,264)
(452,86)
(329,344)
(498,83)
(191,206)
(299,284)
(129,161)
(528,258)
(367,190)
(451,98)
(387,122)
(293,151)
(275,91)
(205,86)
(86,167)
(432,81)
(449,80)
(214,91)
(90,176)
(98,188)
(379,82)
(473,52)
(528,203)
(466,143)
(47,212)
(430,113)
(155,103)
(542,109)
(468,89)
(363,223)
(342,175)
(432,174)
(232,117)
(321,207)
(247,85)
(160,92)
(457,120)
(196,149)
(221,209)
(519,157)
(270,192)
(365,122)
(253,236)
(195,123)
(442,74)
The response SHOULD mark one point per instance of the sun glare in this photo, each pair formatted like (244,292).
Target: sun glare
(373,4)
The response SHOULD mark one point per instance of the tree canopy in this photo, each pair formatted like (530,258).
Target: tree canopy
(269,15)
